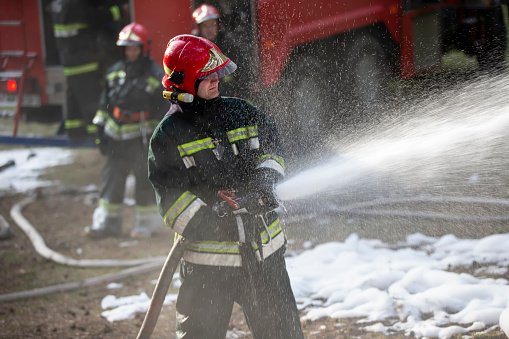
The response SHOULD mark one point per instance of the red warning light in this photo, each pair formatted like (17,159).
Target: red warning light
(12,86)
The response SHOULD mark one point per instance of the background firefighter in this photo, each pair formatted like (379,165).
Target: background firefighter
(211,144)
(129,109)
(81,29)
(207,22)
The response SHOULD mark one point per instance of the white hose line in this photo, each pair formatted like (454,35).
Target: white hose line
(155,263)
(363,208)
(103,279)
(140,266)
(46,252)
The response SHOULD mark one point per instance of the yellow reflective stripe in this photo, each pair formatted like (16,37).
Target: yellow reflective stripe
(227,247)
(69,27)
(74,123)
(102,114)
(280,160)
(242,133)
(146,209)
(115,13)
(93,66)
(110,76)
(110,207)
(195,146)
(91,129)
(178,207)
(127,128)
(67,31)
(153,82)
(273,233)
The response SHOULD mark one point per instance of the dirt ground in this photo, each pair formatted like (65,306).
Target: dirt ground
(59,215)
(61,212)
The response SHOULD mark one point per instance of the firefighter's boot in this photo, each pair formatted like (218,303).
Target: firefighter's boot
(147,222)
(106,222)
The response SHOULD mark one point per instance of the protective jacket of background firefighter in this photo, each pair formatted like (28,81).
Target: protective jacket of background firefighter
(130,108)
(199,149)
(85,30)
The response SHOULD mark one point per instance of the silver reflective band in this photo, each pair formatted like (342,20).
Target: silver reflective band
(235,149)
(254,143)
(272,164)
(183,219)
(189,161)
(240,226)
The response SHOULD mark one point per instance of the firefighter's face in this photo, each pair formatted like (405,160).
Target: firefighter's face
(132,53)
(209,87)
(209,29)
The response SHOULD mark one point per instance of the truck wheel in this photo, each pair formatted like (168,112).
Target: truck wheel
(491,54)
(366,69)
(308,106)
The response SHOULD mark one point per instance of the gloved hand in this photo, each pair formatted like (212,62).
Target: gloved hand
(253,203)
(263,185)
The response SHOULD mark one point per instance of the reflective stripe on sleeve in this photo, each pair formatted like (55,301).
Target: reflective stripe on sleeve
(182,211)
(112,75)
(127,131)
(115,13)
(195,146)
(91,67)
(68,31)
(74,123)
(186,150)
(242,133)
(273,162)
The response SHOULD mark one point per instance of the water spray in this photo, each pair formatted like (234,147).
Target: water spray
(461,128)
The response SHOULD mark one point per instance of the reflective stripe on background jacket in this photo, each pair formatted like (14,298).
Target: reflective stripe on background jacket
(192,157)
(76,26)
(133,88)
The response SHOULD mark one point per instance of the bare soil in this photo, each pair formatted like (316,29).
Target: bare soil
(60,214)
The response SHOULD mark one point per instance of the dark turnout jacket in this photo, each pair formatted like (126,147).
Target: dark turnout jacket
(131,103)
(207,146)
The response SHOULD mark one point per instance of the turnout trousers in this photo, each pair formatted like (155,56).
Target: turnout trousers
(206,297)
(126,156)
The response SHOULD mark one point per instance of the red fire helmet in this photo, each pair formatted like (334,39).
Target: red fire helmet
(135,34)
(203,13)
(188,58)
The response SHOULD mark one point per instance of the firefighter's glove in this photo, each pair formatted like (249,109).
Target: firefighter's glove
(254,203)
(263,186)
(259,202)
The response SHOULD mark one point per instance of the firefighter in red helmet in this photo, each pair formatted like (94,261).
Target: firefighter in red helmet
(209,149)
(129,109)
(207,23)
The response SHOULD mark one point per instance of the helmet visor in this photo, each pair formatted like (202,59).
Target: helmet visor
(227,69)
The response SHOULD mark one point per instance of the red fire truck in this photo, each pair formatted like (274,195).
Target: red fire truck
(313,53)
